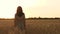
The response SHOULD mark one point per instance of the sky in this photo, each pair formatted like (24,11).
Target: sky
(31,8)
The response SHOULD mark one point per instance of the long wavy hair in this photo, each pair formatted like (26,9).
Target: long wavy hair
(19,11)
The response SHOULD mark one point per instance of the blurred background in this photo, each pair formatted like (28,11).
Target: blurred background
(31,8)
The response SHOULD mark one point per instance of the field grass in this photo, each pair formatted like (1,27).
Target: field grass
(33,26)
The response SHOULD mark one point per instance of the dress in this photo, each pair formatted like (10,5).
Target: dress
(20,21)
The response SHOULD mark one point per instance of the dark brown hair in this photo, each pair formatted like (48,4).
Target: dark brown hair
(19,11)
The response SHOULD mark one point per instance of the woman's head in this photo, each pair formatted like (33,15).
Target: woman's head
(19,9)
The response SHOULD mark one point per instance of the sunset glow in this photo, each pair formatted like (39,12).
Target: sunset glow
(31,8)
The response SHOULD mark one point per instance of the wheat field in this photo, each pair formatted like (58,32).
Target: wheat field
(33,26)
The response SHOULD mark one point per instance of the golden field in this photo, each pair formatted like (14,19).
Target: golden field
(33,26)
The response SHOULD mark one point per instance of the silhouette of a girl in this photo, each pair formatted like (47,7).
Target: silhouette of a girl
(20,19)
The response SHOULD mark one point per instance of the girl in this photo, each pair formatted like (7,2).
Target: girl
(20,19)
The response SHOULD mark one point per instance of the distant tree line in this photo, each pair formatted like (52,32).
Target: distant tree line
(43,18)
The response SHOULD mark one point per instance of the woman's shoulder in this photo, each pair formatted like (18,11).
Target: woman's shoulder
(20,14)
(23,15)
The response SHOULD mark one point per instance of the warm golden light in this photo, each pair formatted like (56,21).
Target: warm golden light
(31,8)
